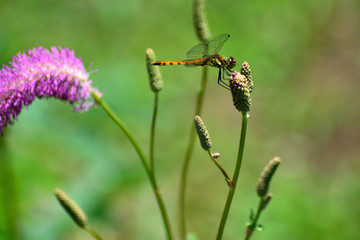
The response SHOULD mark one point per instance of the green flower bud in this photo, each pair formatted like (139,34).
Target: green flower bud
(266,200)
(72,209)
(202,132)
(156,83)
(200,21)
(266,175)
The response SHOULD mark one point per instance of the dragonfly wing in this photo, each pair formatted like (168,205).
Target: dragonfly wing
(216,44)
(197,52)
(204,49)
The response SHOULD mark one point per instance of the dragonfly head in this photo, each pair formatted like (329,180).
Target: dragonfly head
(230,63)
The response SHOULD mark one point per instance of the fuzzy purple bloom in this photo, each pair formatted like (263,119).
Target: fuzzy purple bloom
(39,73)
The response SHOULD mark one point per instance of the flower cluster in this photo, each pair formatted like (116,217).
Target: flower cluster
(241,86)
(39,73)
(240,92)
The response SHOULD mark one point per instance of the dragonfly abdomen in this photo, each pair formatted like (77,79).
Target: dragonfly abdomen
(186,62)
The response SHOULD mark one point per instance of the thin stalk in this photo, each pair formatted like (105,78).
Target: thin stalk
(251,227)
(152,132)
(235,177)
(186,163)
(8,191)
(222,170)
(93,233)
(142,157)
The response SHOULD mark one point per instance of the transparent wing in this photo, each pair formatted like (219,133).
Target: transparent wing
(209,48)
(197,52)
(216,44)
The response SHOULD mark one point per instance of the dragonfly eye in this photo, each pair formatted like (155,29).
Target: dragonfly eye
(230,63)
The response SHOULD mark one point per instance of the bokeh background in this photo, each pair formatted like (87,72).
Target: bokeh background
(305,59)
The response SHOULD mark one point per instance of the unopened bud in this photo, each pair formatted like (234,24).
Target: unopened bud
(216,155)
(200,21)
(156,83)
(72,209)
(266,175)
(266,200)
(202,132)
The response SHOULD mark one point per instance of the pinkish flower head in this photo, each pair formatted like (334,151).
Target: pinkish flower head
(39,73)
(240,91)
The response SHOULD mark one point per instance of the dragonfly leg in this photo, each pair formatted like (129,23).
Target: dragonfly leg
(228,72)
(221,81)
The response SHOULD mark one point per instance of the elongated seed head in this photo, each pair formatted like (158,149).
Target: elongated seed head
(266,175)
(202,132)
(155,79)
(200,21)
(72,209)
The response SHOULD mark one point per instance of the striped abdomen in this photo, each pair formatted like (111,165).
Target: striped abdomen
(198,62)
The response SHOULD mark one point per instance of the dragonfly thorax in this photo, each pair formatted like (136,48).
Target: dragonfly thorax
(215,60)
(219,61)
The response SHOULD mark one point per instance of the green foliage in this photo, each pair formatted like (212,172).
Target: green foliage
(302,56)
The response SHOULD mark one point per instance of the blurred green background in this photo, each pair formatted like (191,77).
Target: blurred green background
(305,59)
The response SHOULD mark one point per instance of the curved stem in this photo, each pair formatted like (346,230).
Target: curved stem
(222,170)
(93,233)
(185,167)
(251,227)
(152,133)
(142,157)
(235,177)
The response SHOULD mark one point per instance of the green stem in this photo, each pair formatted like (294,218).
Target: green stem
(251,227)
(93,233)
(142,157)
(222,170)
(152,133)
(235,177)
(185,167)
(8,192)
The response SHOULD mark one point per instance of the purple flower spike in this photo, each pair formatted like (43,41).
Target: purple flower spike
(42,73)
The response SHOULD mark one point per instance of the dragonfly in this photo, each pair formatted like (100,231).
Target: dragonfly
(206,54)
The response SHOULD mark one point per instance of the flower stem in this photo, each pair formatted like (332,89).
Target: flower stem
(93,233)
(186,163)
(8,192)
(235,177)
(152,133)
(142,157)
(222,170)
(252,226)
